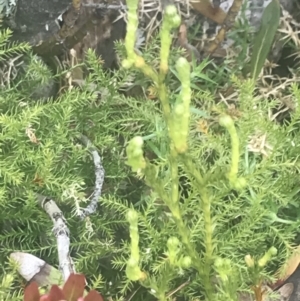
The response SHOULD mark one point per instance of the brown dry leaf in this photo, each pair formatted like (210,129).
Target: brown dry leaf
(286,291)
(152,92)
(287,269)
(31,135)
(260,293)
(245,296)
(263,294)
(75,59)
(227,24)
(178,289)
(206,8)
(38,180)
(225,92)
(182,35)
(202,126)
(233,112)
(76,4)
(191,51)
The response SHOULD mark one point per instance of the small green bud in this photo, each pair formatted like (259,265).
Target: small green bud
(7,280)
(126,64)
(132,216)
(223,267)
(249,261)
(267,257)
(226,121)
(273,251)
(139,62)
(183,69)
(179,109)
(227,263)
(176,21)
(219,262)
(223,263)
(186,262)
(137,142)
(173,243)
(240,183)
(133,271)
(171,10)
(134,152)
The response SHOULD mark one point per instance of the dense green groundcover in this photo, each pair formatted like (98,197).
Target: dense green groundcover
(224,219)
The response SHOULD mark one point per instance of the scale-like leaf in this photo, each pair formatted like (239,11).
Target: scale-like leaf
(210,11)
(288,268)
(265,37)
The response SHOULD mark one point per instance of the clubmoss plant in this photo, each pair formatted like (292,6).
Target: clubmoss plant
(177,118)
(177,121)
(217,177)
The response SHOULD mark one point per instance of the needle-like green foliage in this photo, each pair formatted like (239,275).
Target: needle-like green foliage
(200,200)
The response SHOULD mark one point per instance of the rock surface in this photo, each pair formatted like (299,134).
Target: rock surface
(41,22)
(53,26)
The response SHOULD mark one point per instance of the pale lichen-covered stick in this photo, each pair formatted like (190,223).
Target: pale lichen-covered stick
(61,233)
(99,175)
(34,269)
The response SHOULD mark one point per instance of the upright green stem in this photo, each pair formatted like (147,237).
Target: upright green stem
(133,270)
(178,128)
(171,19)
(132,26)
(237,183)
(234,152)
(173,204)
(228,123)
(162,297)
(164,100)
(208,224)
(174,178)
